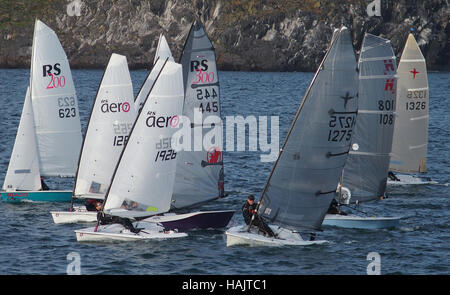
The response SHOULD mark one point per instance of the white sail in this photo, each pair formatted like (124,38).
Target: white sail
(145,174)
(200,168)
(163,53)
(163,50)
(23,168)
(409,148)
(55,105)
(111,120)
(303,181)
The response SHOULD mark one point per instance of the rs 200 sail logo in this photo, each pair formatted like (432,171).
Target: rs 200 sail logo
(54,73)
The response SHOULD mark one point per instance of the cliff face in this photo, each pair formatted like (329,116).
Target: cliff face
(249,35)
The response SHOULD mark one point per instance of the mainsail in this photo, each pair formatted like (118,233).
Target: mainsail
(162,53)
(199,175)
(55,105)
(409,148)
(304,178)
(365,173)
(112,117)
(144,176)
(23,169)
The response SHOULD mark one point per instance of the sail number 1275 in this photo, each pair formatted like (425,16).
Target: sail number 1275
(341,128)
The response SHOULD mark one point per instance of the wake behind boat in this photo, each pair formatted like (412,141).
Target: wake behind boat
(302,183)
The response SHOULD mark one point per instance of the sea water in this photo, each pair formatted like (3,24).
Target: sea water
(30,243)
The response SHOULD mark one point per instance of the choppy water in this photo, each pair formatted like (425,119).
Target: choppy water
(30,243)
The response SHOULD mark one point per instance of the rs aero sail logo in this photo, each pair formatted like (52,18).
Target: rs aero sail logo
(114,107)
(161,121)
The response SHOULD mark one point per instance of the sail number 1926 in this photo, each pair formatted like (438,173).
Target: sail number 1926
(165,151)
(341,128)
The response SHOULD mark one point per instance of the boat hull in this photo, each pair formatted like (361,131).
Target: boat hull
(36,196)
(60,217)
(406,179)
(238,235)
(116,232)
(194,220)
(353,221)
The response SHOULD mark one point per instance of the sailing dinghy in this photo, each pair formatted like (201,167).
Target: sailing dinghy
(409,147)
(49,136)
(303,180)
(142,183)
(199,176)
(364,174)
(112,117)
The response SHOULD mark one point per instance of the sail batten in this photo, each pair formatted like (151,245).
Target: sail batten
(365,173)
(304,178)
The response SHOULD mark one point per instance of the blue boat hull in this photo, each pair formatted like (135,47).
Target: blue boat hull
(36,196)
(352,221)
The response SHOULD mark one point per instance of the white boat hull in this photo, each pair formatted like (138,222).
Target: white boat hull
(76,216)
(406,179)
(354,221)
(116,232)
(238,235)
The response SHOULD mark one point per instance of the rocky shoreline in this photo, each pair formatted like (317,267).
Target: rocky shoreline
(248,35)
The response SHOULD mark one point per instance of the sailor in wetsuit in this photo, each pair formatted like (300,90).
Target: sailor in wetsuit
(248,210)
(44,186)
(93,205)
